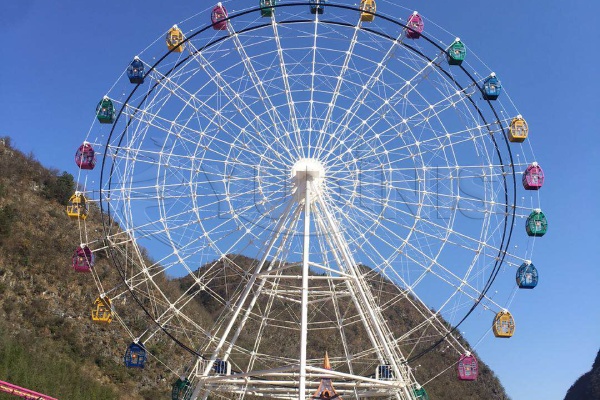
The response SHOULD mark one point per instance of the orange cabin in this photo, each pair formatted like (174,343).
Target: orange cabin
(175,39)
(504,325)
(102,310)
(77,206)
(518,130)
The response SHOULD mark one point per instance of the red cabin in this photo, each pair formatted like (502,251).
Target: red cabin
(533,177)
(85,157)
(83,259)
(416,25)
(218,17)
(467,368)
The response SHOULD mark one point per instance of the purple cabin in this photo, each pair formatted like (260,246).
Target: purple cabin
(415,22)
(83,259)
(85,157)
(218,16)
(533,177)
(467,368)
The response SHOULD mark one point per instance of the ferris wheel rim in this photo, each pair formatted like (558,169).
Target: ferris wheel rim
(502,249)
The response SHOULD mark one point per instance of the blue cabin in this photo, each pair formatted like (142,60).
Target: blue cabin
(384,372)
(221,367)
(491,87)
(182,389)
(527,276)
(135,356)
(135,71)
(317,6)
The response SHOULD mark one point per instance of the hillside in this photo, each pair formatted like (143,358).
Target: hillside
(48,342)
(588,385)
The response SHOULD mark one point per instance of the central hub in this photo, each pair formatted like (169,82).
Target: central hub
(307,174)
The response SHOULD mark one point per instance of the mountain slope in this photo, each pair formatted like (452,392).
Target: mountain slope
(48,342)
(588,385)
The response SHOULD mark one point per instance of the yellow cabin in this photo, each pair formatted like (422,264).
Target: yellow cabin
(102,311)
(504,325)
(174,39)
(77,206)
(518,130)
(369,7)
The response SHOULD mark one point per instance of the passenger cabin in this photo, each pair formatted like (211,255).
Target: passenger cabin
(135,71)
(420,394)
(491,87)
(77,206)
(504,325)
(83,259)
(415,26)
(135,356)
(456,53)
(221,367)
(175,39)
(536,224)
(384,372)
(317,6)
(102,310)
(218,17)
(182,389)
(85,157)
(105,111)
(533,177)
(368,9)
(467,368)
(267,7)
(527,276)
(518,129)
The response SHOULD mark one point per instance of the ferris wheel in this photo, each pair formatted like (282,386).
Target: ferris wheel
(309,177)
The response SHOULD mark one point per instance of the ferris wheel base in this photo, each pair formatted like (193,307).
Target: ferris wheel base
(283,383)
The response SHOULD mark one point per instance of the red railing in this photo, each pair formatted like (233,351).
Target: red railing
(22,392)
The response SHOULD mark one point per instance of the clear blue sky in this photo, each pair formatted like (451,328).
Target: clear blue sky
(60,57)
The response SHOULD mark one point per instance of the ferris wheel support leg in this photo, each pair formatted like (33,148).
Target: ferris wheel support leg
(252,303)
(243,298)
(305,269)
(373,321)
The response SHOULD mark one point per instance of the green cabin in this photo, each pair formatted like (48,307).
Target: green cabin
(266,7)
(457,53)
(182,389)
(105,111)
(421,394)
(537,224)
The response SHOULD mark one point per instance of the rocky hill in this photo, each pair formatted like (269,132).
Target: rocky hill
(48,342)
(588,385)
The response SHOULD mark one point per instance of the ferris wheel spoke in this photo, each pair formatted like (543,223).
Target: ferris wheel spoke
(432,260)
(271,110)
(193,134)
(286,84)
(352,111)
(396,130)
(235,98)
(340,79)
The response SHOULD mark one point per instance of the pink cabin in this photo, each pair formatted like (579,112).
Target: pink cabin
(218,17)
(533,177)
(83,259)
(467,368)
(85,157)
(416,25)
